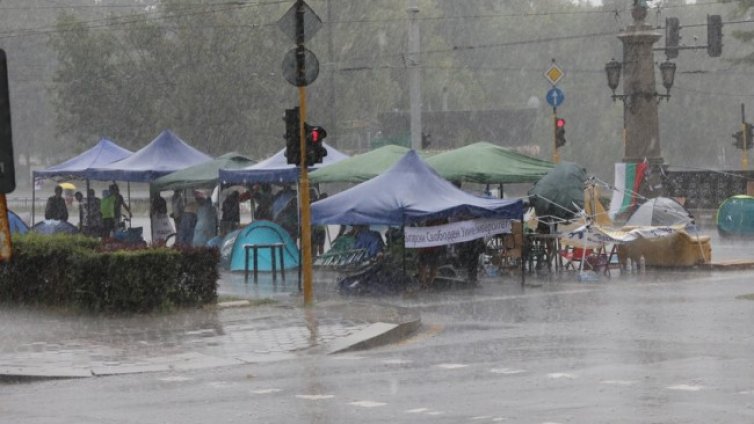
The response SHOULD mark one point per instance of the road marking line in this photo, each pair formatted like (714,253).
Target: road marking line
(315,397)
(481,417)
(397,361)
(451,366)
(434,413)
(619,382)
(417,410)
(506,371)
(222,384)
(266,391)
(686,387)
(558,375)
(348,358)
(176,378)
(367,403)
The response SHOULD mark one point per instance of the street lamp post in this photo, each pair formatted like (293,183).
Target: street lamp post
(640,97)
(641,122)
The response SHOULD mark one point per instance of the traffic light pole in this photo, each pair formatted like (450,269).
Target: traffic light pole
(555,150)
(744,151)
(306,221)
(6,248)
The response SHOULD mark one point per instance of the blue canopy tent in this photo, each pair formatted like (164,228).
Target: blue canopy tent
(275,169)
(103,153)
(165,154)
(408,193)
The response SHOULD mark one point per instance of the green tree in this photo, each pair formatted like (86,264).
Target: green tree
(746,36)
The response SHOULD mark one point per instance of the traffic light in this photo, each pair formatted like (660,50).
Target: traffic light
(315,150)
(292,140)
(560,140)
(672,37)
(714,35)
(739,137)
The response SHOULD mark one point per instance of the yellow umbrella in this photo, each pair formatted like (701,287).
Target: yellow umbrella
(67,186)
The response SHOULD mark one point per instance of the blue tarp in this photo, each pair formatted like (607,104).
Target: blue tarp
(275,169)
(53,226)
(408,193)
(263,232)
(165,154)
(103,153)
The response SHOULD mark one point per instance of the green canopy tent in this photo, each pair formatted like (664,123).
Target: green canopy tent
(360,168)
(487,163)
(202,176)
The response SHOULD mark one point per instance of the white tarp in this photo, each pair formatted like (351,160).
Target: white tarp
(455,232)
(594,236)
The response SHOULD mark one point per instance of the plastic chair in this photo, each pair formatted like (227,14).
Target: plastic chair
(573,257)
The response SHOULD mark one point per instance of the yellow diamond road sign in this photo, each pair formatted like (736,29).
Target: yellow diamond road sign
(554,74)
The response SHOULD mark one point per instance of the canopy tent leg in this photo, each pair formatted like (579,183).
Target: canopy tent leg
(523,265)
(128,193)
(33,195)
(88,202)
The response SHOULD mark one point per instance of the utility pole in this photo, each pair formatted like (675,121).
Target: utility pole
(331,77)
(744,138)
(414,74)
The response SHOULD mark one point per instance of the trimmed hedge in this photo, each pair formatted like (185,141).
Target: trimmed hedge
(75,271)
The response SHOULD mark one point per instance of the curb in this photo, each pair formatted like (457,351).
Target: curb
(391,325)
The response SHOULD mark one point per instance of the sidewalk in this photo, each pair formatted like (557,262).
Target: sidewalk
(46,345)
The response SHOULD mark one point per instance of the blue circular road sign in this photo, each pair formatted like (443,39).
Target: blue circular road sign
(555,97)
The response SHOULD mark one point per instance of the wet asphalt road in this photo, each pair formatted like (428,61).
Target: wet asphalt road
(654,348)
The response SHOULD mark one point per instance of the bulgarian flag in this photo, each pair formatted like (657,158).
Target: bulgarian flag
(628,179)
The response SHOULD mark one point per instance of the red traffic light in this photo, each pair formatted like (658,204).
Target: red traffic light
(560,122)
(315,135)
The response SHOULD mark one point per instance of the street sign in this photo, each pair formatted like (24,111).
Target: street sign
(312,23)
(555,97)
(554,74)
(308,72)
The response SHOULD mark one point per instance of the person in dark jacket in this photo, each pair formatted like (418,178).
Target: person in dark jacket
(56,207)
(231,209)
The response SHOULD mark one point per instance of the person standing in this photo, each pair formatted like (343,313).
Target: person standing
(429,258)
(120,204)
(94,213)
(107,209)
(185,233)
(56,207)
(83,212)
(468,256)
(262,195)
(231,209)
(178,205)
(206,222)
(162,228)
